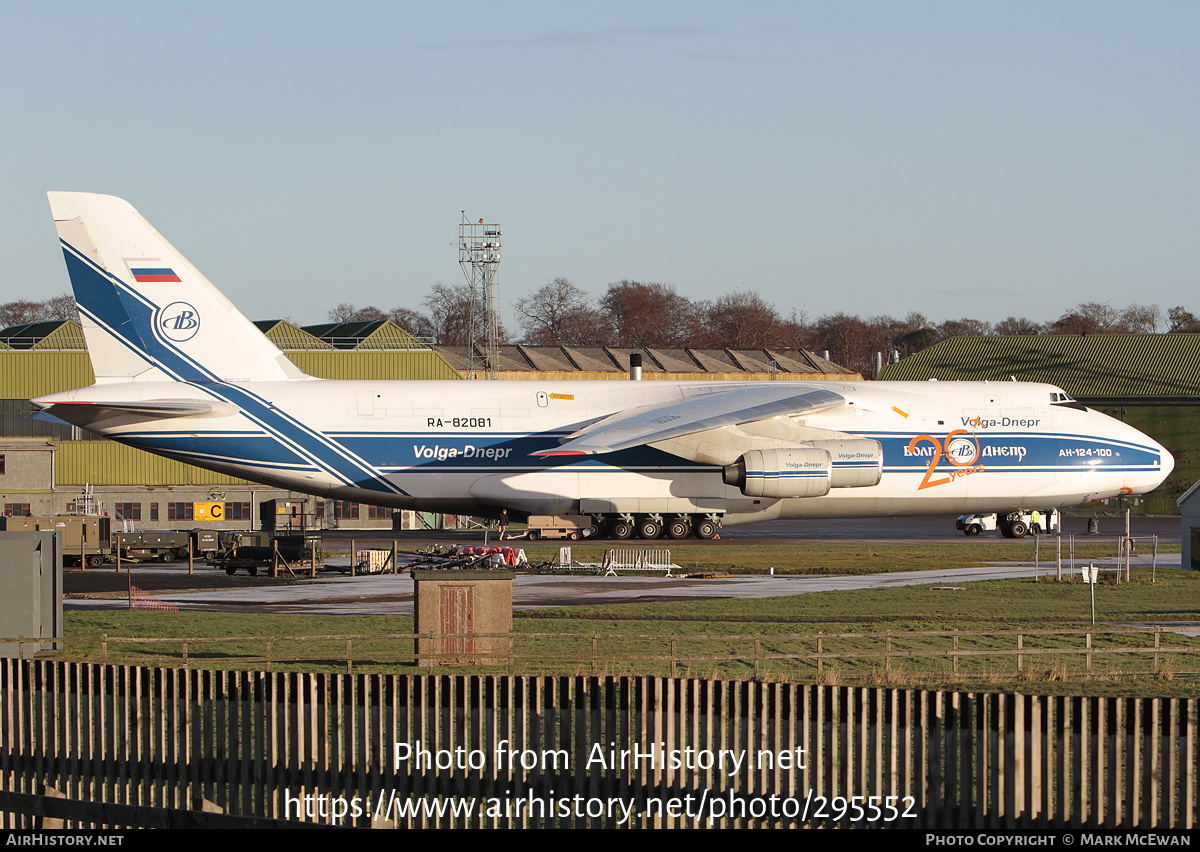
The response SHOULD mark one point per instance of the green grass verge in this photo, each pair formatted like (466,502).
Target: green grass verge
(844,557)
(729,634)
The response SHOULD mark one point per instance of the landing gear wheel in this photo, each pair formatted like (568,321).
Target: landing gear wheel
(973,529)
(620,529)
(648,528)
(706,529)
(679,528)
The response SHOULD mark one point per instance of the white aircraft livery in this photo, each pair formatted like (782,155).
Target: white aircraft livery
(182,373)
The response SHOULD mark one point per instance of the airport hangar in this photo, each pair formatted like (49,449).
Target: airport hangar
(50,468)
(1150,381)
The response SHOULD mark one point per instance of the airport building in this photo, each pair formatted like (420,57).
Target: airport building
(49,467)
(1150,381)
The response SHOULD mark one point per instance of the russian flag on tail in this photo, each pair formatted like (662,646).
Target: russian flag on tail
(148,272)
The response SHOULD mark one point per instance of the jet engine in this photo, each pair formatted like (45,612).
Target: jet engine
(808,471)
(802,472)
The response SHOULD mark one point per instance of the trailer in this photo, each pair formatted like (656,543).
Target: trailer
(89,540)
(572,527)
(86,539)
(153,546)
(255,551)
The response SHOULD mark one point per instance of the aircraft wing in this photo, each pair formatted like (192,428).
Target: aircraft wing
(663,421)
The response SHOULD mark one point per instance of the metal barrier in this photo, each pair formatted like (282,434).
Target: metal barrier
(637,559)
(1125,550)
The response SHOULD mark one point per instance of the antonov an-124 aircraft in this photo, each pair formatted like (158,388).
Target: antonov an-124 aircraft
(182,373)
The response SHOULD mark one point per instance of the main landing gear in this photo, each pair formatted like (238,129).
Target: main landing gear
(655,525)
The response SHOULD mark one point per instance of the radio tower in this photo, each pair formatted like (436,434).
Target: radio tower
(479,256)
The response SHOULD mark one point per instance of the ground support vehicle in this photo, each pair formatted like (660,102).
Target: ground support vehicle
(255,551)
(1011,524)
(86,539)
(154,545)
(89,540)
(573,527)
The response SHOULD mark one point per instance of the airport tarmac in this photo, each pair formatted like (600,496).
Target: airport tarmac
(911,530)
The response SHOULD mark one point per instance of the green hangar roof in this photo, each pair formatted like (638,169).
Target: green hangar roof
(1087,366)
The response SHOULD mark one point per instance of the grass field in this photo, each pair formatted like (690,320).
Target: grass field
(845,557)
(772,637)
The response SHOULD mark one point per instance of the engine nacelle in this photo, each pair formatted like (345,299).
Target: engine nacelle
(800,472)
(857,462)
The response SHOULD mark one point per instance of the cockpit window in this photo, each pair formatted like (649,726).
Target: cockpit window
(1064,401)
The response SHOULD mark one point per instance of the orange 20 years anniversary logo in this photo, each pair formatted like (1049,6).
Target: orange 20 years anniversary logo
(961,449)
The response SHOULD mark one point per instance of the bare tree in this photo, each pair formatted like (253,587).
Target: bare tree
(798,332)
(1182,321)
(849,341)
(965,327)
(560,314)
(346,312)
(650,314)
(22,311)
(450,314)
(1141,319)
(414,322)
(62,307)
(744,321)
(342,312)
(1018,326)
(1089,318)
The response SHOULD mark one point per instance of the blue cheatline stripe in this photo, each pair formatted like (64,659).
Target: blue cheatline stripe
(787,476)
(236,447)
(127,313)
(992,438)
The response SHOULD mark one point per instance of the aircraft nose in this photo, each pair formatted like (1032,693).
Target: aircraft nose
(1141,484)
(1167,460)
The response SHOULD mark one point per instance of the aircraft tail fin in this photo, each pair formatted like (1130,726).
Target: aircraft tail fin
(147,313)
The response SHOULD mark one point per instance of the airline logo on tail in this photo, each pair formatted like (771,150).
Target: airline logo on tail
(179,321)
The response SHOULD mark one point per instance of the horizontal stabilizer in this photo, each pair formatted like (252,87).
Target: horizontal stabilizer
(154,408)
(92,414)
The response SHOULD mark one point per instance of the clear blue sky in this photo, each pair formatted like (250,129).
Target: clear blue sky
(952,158)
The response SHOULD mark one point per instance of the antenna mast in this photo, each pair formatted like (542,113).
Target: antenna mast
(479,256)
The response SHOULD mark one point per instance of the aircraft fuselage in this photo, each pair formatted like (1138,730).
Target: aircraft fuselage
(466,446)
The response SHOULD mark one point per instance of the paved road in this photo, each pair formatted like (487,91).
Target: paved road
(383,595)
